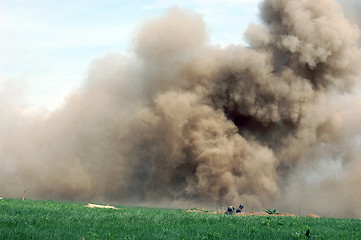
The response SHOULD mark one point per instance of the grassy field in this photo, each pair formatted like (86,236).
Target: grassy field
(64,220)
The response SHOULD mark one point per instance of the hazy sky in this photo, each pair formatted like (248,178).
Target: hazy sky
(46,46)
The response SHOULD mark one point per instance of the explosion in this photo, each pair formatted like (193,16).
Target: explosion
(274,123)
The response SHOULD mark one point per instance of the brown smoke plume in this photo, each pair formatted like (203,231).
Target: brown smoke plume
(275,124)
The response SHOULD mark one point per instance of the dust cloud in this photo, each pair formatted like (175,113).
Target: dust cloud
(275,123)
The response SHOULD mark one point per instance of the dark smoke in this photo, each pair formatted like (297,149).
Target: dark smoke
(275,124)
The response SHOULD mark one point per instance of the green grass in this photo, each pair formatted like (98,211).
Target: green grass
(64,220)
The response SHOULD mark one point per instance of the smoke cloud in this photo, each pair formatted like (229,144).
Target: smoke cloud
(274,124)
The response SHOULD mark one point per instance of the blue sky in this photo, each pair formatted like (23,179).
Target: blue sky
(46,46)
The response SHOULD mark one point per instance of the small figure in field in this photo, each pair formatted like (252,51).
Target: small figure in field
(239,209)
(230,210)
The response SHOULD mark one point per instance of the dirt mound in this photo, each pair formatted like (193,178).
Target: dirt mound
(313,215)
(265,214)
(202,210)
